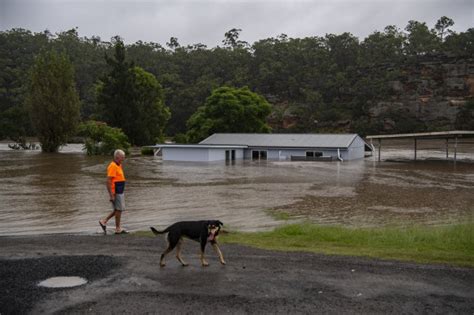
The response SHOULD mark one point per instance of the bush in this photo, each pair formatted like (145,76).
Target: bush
(180,138)
(101,139)
(147,151)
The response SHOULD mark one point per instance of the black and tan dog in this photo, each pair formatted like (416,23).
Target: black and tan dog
(200,231)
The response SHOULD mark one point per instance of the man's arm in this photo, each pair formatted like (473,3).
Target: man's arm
(109,188)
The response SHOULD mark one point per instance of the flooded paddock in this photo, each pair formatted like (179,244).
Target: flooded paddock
(65,193)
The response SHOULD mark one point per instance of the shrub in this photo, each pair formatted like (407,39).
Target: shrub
(101,139)
(147,151)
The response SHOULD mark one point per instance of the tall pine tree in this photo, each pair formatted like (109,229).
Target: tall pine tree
(132,99)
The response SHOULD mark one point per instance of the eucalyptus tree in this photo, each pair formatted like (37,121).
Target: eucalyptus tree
(382,47)
(54,104)
(420,39)
(442,26)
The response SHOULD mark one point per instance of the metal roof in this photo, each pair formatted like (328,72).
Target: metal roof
(434,135)
(282,140)
(197,146)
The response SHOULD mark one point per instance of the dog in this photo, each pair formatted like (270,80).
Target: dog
(200,231)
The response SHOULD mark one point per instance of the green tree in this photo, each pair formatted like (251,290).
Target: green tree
(87,57)
(442,26)
(420,40)
(53,100)
(152,113)
(465,117)
(18,48)
(132,99)
(101,139)
(461,44)
(232,39)
(383,47)
(229,110)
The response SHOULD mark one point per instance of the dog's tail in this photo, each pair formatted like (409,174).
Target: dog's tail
(156,232)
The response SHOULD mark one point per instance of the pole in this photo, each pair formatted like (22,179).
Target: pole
(447,148)
(380,145)
(415,149)
(455,148)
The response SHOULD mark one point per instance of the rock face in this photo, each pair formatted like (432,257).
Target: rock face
(431,91)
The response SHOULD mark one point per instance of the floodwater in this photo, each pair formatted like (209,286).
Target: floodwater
(65,192)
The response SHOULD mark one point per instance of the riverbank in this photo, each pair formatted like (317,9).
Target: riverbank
(124,277)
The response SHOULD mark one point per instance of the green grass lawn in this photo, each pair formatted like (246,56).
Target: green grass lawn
(452,245)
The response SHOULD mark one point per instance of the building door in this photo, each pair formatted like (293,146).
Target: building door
(259,155)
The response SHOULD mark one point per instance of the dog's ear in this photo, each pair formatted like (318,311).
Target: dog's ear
(219,222)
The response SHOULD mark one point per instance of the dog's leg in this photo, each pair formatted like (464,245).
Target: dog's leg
(172,242)
(178,253)
(218,251)
(162,258)
(204,263)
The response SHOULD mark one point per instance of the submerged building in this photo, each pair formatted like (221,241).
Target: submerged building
(248,146)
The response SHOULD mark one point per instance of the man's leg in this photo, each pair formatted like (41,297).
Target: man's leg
(111,214)
(118,216)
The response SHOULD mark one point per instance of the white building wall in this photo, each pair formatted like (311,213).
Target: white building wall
(185,154)
(216,155)
(356,149)
(285,154)
(219,154)
(198,154)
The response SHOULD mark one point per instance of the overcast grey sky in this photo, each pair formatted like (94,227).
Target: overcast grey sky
(206,21)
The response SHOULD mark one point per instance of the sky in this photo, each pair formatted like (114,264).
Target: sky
(206,21)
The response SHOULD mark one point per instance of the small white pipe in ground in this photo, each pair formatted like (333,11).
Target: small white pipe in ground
(339,155)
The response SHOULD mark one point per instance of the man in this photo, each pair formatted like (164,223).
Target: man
(116,188)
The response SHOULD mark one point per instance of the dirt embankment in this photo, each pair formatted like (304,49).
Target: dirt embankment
(123,276)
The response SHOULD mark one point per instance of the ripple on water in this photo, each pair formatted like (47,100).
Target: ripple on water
(65,192)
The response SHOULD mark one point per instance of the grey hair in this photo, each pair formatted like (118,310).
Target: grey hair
(118,152)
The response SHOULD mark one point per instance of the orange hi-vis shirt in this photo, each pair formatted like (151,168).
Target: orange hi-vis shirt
(118,178)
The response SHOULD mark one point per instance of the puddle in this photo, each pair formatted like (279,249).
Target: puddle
(62,282)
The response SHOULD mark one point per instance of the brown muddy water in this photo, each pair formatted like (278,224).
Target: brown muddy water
(65,192)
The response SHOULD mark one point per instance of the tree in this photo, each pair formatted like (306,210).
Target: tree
(132,99)
(421,40)
(152,113)
(18,48)
(442,26)
(229,110)
(465,117)
(53,100)
(232,39)
(382,47)
(461,44)
(101,139)
(87,58)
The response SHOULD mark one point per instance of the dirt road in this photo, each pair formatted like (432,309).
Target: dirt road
(124,277)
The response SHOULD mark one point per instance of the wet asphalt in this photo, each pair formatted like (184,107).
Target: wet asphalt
(124,277)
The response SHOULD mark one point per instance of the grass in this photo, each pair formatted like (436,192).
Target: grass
(452,245)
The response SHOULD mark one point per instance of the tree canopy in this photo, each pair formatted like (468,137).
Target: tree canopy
(321,82)
(132,99)
(53,99)
(229,110)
